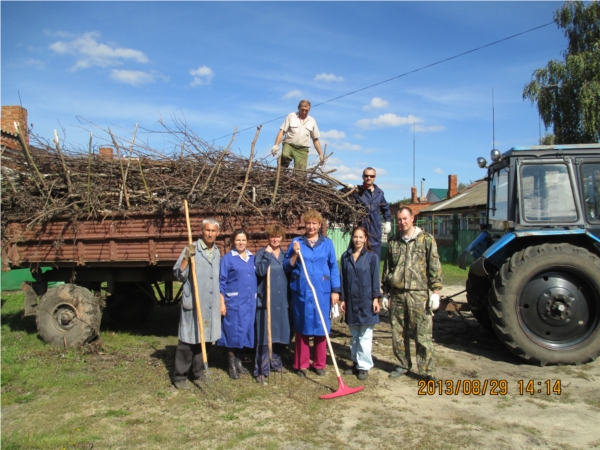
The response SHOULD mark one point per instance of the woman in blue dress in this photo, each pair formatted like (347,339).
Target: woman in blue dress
(360,299)
(238,301)
(271,257)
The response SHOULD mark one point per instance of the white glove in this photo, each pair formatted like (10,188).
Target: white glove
(385,302)
(335,312)
(350,186)
(434,302)
(275,150)
(387,228)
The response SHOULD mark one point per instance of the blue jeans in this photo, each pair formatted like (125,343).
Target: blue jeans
(361,344)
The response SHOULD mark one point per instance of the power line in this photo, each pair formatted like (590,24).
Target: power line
(401,75)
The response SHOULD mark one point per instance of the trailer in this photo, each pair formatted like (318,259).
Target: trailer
(123,263)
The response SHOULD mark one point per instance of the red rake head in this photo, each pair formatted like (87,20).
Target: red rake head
(342,390)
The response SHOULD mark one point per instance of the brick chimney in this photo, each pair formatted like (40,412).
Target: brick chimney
(413,195)
(12,114)
(452,185)
(106,152)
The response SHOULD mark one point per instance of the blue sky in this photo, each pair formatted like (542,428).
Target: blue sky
(221,65)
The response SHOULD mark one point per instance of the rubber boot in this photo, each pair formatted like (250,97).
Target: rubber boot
(240,368)
(232,369)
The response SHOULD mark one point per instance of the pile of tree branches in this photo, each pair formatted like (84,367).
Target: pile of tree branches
(44,180)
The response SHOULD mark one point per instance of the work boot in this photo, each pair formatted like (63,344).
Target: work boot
(181,385)
(240,368)
(261,379)
(232,368)
(363,374)
(320,372)
(398,373)
(352,370)
(301,373)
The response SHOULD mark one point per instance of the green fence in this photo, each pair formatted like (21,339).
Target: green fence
(450,246)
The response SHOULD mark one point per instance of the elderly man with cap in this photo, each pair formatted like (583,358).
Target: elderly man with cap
(207,259)
(299,128)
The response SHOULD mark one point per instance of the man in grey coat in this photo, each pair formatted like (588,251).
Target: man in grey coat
(207,258)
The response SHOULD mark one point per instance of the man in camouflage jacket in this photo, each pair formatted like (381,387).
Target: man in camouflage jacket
(411,269)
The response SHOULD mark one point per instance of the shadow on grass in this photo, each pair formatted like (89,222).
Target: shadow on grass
(16,322)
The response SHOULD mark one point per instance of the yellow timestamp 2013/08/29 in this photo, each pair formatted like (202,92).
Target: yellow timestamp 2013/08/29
(532,387)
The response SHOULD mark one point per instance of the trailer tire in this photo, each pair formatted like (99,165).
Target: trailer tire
(68,314)
(131,303)
(545,304)
(478,291)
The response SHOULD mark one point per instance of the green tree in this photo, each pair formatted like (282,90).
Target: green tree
(567,92)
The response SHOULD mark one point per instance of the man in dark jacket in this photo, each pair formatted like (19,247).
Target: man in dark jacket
(372,197)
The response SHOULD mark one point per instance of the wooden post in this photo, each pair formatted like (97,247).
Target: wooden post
(249,166)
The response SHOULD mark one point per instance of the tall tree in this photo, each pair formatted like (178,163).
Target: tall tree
(567,92)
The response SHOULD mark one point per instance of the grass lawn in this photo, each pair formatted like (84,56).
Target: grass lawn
(452,274)
(116,393)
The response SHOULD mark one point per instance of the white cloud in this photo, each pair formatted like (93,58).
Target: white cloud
(35,63)
(345,146)
(388,120)
(333,134)
(90,52)
(202,75)
(376,103)
(293,94)
(359,136)
(328,77)
(132,77)
(438,170)
(430,128)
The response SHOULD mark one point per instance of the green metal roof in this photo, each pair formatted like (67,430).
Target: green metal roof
(440,193)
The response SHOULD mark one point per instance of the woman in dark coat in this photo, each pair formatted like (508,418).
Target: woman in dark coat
(271,256)
(360,299)
(238,301)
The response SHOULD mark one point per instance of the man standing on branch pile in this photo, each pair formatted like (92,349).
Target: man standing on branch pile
(207,259)
(372,197)
(298,128)
(411,269)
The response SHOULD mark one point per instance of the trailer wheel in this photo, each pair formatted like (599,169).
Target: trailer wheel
(131,303)
(545,304)
(68,314)
(478,290)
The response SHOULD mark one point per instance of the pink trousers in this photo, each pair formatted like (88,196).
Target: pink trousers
(302,353)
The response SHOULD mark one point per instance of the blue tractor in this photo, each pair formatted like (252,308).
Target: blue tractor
(535,280)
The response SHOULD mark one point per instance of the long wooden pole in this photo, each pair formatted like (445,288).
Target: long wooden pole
(269,336)
(249,166)
(196,292)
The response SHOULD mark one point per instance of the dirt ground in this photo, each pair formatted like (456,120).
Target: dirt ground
(390,412)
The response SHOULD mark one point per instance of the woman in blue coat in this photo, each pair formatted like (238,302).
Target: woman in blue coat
(271,256)
(238,301)
(360,294)
(321,264)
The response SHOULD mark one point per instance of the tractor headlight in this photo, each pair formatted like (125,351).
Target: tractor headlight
(495,155)
(481,162)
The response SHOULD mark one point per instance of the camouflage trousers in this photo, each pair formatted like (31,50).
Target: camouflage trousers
(410,318)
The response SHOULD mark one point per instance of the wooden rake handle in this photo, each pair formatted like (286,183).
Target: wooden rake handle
(196,293)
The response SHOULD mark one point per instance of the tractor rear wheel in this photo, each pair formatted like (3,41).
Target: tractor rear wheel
(545,304)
